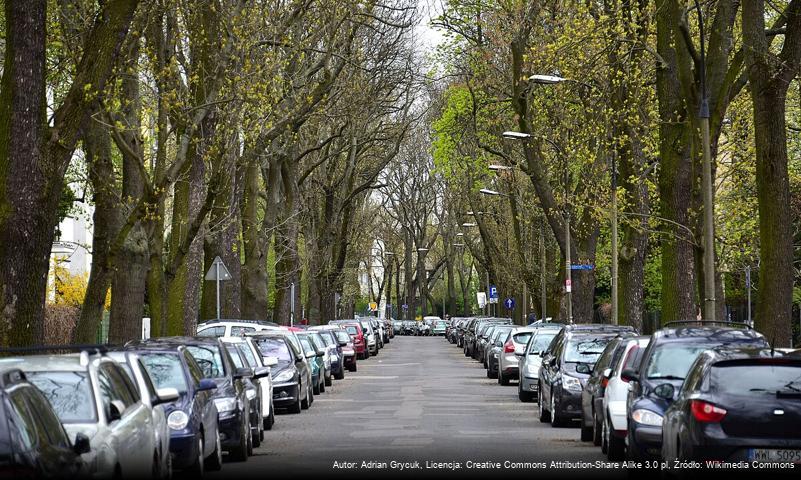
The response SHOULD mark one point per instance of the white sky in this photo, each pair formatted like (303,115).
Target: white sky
(429,37)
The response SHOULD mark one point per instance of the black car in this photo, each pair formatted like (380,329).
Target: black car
(252,389)
(33,442)
(566,365)
(592,395)
(739,404)
(666,360)
(230,396)
(335,351)
(291,378)
(194,439)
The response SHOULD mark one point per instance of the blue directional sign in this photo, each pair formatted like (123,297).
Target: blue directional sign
(493,292)
(405,307)
(581,267)
(509,303)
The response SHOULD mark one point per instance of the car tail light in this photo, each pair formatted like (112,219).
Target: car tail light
(604,381)
(706,412)
(509,347)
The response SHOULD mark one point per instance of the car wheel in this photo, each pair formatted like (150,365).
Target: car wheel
(316,388)
(240,452)
(259,435)
(197,468)
(605,437)
(214,461)
(353,367)
(524,396)
(556,419)
(545,415)
(615,446)
(596,431)
(502,379)
(323,384)
(251,443)
(297,406)
(306,403)
(270,420)
(341,374)
(586,433)
(310,397)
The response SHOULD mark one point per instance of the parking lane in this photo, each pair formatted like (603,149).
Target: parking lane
(421,400)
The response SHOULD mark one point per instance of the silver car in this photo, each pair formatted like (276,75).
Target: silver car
(513,347)
(94,396)
(152,397)
(529,363)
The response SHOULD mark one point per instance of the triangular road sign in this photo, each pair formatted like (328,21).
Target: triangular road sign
(218,266)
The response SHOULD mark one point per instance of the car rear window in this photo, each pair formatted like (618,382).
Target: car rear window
(165,370)
(757,379)
(585,349)
(673,360)
(70,393)
(541,342)
(522,337)
(352,330)
(209,359)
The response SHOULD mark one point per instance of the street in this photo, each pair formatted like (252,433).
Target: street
(420,400)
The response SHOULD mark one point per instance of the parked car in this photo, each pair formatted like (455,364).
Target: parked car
(566,365)
(513,348)
(230,396)
(530,362)
(192,418)
(233,328)
(253,389)
(335,353)
(495,349)
(92,395)
(370,336)
(612,420)
(409,327)
(592,395)
(479,341)
(359,340)
(291,374)
(483,336)
(33,442)
(321,345)
(397,327)
(736,404)
(315,358)
(346,343)
(667,359)
(153,398)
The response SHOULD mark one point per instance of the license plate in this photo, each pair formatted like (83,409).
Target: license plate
(774,455)
(533,387)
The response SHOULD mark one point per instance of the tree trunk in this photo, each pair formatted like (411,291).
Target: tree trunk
(287,266)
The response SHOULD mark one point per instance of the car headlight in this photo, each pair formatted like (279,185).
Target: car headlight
(647,417)
(285,376)
(571,383)
(532,371)
(226,404)
(178,420)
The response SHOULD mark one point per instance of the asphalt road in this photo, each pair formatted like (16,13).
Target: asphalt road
(420,400)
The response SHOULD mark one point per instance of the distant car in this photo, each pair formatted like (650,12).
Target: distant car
(262,372)
(230,396)
(327,349)
(93,395)
(33,442)
(335,353)
(194,438)
(513,349)
(290,375)
(359,339)
(154,398)
(349,354)
(739,404)
(610,423)
(529,364)
(667,359)
(242,356)
(315,358)
(565,368)
(397,327)
(495,349)
(233,328)
(592,395)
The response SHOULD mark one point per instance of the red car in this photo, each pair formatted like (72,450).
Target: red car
(359,343)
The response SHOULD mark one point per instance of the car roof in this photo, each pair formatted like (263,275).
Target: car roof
(238,322)
(706,332)
(579,327)
(727,353)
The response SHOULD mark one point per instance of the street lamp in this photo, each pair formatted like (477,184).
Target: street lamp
(709,227)
(487,191)
(546,79)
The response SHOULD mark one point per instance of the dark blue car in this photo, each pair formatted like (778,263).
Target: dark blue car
(194,435)
(666,360)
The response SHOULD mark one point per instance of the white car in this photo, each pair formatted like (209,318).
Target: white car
(513,349)
(251,353)
(232,328)
(94,396)
(153,398)
(614,425)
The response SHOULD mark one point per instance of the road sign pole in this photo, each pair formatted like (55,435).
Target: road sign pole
(292,304)
(217,267)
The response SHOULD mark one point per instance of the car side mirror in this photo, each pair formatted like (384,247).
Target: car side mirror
(115,409)
(629,375)
(665,391)
(552,361)
(261,372)
(165,395)
(583,368)
(243,372)
(206,384)
(81,444)
(270,361)
(311,354)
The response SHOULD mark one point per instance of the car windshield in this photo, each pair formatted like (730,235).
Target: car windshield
(69,393)
(540,343)
(247,353)
(326,336)
(352,330)
(342,336)
(274,347)
(209,359)
(234,355)
(500,335)
(307,346)
(585,349)
(165,370)
(522,337)
(757,379)
(673,360)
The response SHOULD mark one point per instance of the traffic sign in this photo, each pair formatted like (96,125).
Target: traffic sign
(568,285)
(509,303)
(583,266)
(373,306)
(218,270)
(405,307)
(481,298)
(493,292)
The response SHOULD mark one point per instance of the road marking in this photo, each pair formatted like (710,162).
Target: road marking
(390,365)
(378,377)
